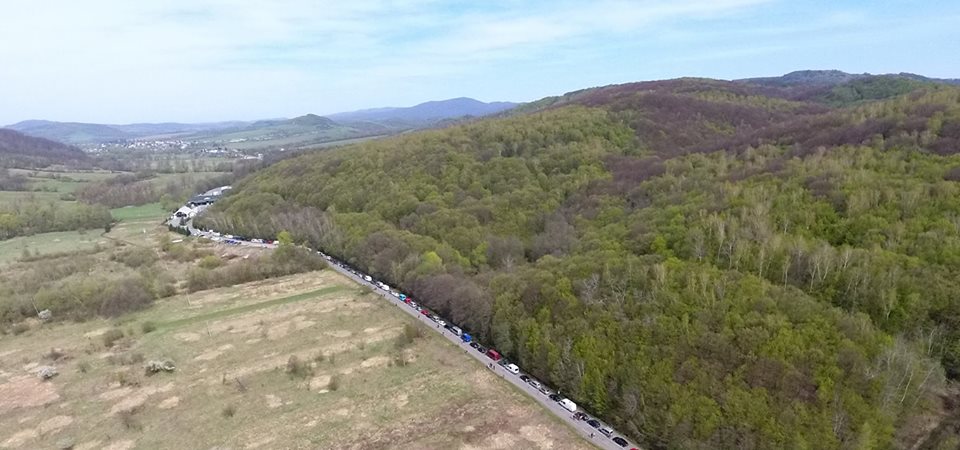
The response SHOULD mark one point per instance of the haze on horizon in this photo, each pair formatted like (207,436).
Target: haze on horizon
(113,61)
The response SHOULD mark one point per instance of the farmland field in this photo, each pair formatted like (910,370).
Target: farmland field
(47,243)
(142,212)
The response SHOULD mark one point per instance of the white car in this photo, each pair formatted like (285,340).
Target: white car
(568,405)
(535,384)
(512,368)
(367,278)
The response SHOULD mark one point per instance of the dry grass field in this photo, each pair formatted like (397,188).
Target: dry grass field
(303,361)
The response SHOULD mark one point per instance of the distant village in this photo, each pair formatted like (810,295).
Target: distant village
(173,146)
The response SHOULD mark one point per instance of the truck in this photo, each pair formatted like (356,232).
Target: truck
(466,337)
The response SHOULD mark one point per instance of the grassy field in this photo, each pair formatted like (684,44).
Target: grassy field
(232,388)
(139,213)
(47,243)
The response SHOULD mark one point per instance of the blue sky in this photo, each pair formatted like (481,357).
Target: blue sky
(120,61)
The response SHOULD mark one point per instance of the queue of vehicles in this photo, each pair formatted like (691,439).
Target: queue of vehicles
(491,353)
(465,337)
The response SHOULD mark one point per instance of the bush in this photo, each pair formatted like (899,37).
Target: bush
(83,366)
(148,327)
(228,411)
(210,262)
(135,257)
(297,368)
(334,383)
(111,337)
(129,420)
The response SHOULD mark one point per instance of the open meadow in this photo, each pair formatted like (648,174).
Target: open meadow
(310,360)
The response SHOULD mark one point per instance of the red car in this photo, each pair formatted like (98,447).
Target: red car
(425,312)
(494,355)
(408,300)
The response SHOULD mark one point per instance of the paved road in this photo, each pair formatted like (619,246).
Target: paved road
(588,432)
(581,427)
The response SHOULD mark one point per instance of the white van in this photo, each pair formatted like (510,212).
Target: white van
(512,368)
(568,405)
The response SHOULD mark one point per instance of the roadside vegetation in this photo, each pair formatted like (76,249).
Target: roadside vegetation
(704,264)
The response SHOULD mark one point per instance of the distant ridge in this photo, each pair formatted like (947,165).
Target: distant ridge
(834,77)
(433,111)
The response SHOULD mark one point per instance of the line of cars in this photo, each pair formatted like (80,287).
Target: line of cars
(491,353)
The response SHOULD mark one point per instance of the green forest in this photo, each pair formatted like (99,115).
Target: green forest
(704,264)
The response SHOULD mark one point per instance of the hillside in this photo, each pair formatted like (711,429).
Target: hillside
(707,264)
(425,113)
(89,133)
(22,151)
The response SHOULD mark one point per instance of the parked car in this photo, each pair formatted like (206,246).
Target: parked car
(620,441)
(594,423)
(556,397)
(456,330)
(525,378)
(512,368)
(569,405)
(605,430)
(367,278)
(536,384)
(545,391)
(425,312)
(579,416)
(465,337)
(474,344)
(414,305)
(494,355)
(481,349)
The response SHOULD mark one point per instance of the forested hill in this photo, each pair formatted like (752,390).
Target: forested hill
(706,264)
(20,150)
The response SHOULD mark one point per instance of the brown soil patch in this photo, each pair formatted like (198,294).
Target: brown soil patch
(187,337)
(273,401)
(19,438)
(54,424)
(319,382)
(376,361)
(116,393)
(26,391)
(96,333)
(213,354)
(121,445)
(89,445)
(169,403)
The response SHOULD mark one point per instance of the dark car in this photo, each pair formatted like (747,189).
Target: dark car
(620,441)
(525,378)
(579,416)
(481,349)
(474,344)
(556,397)
(594,423)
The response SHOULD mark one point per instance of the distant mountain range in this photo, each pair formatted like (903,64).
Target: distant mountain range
(835,77)
(429,112)
(303,130)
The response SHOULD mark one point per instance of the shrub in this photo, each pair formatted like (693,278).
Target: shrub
(319,357)
(111,337)
(83,366)
(297,368)
(210,262)
(228,411)
(334,383)
(135,257)
(129,420)
(148,327)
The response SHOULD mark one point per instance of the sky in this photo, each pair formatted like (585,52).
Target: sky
(125,61)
